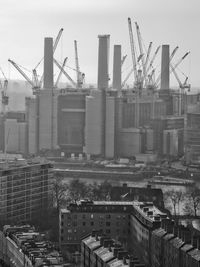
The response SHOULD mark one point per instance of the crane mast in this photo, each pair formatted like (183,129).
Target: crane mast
(78,73)
(141,50)
(133,51)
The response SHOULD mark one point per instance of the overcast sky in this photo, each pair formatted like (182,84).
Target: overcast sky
(25,23)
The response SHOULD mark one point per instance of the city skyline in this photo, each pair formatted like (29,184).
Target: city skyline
(24,26)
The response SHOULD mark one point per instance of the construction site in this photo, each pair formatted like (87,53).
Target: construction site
(145,119)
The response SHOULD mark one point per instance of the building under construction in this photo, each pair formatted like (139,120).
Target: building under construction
(108,121)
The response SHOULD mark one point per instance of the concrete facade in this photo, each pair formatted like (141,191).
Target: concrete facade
(93,123)
(130,142)
(15,136)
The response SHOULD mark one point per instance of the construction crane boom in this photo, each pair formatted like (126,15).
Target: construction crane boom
(153,58)
(78,72)
(148,54)
(57,39)
(60,73)
(21,72)
(133,51)
(141,49)
(123,60)
(64,72)
(127,77)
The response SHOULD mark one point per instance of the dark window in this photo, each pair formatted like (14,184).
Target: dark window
(107,223)
(92,223)
(84,223)
(107,231)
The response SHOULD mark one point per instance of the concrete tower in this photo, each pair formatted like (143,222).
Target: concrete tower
(165,68)
(48,63)
(103,58)
(117,68)
(46,104)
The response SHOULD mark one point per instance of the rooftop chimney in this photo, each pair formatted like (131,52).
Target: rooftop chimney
(103,58)
(48,63)
(164,84)
(117,68)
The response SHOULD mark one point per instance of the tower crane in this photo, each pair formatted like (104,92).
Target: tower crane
(148,55)
(35,87)
(80,75)
(182,87)
(65,73)
(133,51)
(54,49)
(141,50)
(123,59)
(60,73)
(153,58)
(4,96)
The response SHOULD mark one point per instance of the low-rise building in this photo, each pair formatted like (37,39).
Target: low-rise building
(99,250)
(131,223)
(23,246)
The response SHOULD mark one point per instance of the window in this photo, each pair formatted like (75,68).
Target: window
(107,231)
(75,223)
(107,223)
(108,216)
(84,223)
(91,223)
(83,216)
(101,223)
(69,230)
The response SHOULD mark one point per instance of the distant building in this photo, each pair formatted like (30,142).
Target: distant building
(192,138)
(145,194)
(25,190)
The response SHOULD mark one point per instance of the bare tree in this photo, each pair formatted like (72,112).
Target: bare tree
(59,192)
(193,204)
(175,198)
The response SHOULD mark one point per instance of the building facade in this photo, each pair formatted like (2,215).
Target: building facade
(25,190)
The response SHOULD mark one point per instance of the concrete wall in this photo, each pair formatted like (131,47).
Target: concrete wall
(71,122)
(15,136)
(31,125)
(130,142)
(93,124)
(45,123)
(110,128)
(170,142)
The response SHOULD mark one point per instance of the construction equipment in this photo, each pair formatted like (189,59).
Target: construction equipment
(182,87)
(35,86)
(141,51)
(123,60)
(80,75)
(4,96)
(148,55)
(60,73)
(65,73)
(133,51)
(54,49)
(153,59)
